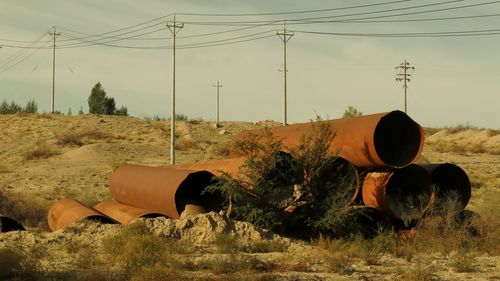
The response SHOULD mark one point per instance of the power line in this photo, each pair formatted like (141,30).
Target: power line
(293,12)
(409,34)
(25,58)
(345,15)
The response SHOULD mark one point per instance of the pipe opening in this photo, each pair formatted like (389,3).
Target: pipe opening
(342,177)
(397,139)
(452,183)
(191,192)
(99,219)
(7,224)
(408,193)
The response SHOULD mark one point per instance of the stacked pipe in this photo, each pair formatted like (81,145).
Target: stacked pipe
(380,147)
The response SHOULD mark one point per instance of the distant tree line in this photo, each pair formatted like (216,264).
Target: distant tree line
(12,107)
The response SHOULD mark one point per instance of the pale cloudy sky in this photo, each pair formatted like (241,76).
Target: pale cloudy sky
(456,80)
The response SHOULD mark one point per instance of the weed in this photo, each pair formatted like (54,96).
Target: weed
(226,243)
(339,263)
(219,149)
(184,144)
(264,246)
(156,273)
(78,137)
(237,263)
(41,150)
(417,272)
(464,262)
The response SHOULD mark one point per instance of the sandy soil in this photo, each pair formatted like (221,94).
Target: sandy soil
(82,172)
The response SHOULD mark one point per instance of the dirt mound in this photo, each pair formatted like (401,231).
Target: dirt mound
(204,229)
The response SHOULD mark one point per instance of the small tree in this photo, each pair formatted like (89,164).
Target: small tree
(80,112)
(123,111)
(97,99)
(69,112)
(4,107)
(31,107)
(351,111)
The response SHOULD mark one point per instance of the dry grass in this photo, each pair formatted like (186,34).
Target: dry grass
(184,144)
(80,137)
(417,272)
(40,151)
(4,169)
(462,149)
(464,262)
(28,211)
(219,149)
(10,263)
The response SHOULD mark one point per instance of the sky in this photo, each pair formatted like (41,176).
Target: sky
(455,82)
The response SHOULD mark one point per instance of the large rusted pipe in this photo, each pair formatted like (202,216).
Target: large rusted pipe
(402,193)
(67,211)
(7,224)
(451,182)
(165,190)
(124,213)
(390,139)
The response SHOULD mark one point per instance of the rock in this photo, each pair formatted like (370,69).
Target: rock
(216,125)
(222,132)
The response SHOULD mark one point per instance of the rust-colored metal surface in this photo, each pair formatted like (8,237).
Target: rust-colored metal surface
(7,224)
(217,167)
(450,182)
(124,213)
(165,190)
(390,139)
(67,211)
(400,193)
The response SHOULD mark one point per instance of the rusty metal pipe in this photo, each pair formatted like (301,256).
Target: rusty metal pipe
(165,190)
(450,181)
(124,213)
(400,193)
(7,224)
(67,211)
(390,139)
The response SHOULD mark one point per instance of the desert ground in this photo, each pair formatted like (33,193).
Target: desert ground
(44,158)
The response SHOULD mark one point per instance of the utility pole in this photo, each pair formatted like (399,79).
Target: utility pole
(219,85)
(284,36)
(54,35)
(174,28)
(404,76)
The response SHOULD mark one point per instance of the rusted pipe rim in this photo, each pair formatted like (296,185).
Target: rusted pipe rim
(400,193)
(7,224)
(124,213)
(67,211)
(451,181)
(395,139)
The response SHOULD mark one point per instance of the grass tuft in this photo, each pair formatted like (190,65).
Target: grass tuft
(40,151)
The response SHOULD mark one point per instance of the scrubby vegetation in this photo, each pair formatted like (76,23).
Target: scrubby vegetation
(12,107)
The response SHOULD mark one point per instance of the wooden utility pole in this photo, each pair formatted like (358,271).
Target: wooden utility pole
(218,85)
(284,36)
(174,28)
(404,76)
(54,35)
